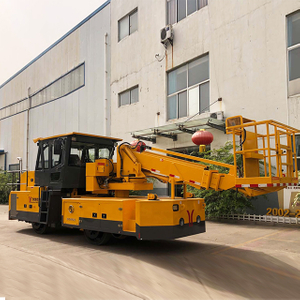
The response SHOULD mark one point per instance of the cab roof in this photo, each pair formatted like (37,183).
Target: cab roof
(78,134)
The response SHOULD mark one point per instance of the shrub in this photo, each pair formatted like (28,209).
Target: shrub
(221,202)
(5,189)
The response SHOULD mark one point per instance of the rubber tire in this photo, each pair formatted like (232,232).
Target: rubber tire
(40,228)
(97,237)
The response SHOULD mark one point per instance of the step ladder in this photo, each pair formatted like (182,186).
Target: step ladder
(44,207)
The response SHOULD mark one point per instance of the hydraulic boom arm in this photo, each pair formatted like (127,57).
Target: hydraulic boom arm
(269,161)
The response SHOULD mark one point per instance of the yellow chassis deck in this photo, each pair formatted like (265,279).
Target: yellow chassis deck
(146,219)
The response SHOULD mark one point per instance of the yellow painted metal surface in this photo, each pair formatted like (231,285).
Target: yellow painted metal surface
(129,215)
(27,200)
(251,159)
(257,151)
(76,133)
(160,213)
(92,185)
(27,180)
(132,211)
(85,207)
(268,154)
(29,195)
(101,167)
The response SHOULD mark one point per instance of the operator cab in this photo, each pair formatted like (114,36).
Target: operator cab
(61,160)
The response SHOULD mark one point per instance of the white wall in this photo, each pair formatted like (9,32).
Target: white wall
(133,62)
(246,42)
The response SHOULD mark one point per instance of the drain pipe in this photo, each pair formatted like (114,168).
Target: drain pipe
(104,87)
(27,133)
(106,103)
(5,161)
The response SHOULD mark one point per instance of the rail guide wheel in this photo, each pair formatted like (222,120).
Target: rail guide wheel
(97,237)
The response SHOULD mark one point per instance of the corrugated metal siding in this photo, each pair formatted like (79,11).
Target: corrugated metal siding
(82,110)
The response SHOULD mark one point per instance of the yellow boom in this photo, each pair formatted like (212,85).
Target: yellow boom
(269,162)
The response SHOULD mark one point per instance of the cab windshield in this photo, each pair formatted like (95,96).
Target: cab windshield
(82,153)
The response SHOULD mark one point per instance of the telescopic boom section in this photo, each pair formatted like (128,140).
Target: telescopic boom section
(162,164)
(268,161)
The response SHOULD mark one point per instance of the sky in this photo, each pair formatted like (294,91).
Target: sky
(28,27)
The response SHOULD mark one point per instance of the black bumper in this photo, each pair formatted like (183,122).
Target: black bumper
(169,232)
(142,233)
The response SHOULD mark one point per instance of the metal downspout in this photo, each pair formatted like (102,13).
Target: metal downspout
(105,86)
(5,161)
(27,133)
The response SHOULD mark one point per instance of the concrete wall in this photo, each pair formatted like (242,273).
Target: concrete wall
(84,110)
(246,42)
(134,63)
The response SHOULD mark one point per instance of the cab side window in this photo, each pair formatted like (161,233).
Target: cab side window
(46,156)
(56,151)
(43,157)
(39,162)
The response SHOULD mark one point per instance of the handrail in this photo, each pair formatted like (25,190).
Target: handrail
(279,138)
(271,122)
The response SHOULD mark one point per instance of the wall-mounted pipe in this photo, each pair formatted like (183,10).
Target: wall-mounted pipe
(5,161)
(27,132)
(105,87)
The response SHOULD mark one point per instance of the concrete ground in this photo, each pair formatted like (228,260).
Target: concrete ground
(229,261)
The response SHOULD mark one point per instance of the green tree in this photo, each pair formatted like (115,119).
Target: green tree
(222,202)
(5,189)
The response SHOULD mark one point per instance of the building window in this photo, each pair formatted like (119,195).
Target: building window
(293,22)
(188,89)
(129,97)
(62,86)
(14,167)
(128,24)
(297,150)
(179,9)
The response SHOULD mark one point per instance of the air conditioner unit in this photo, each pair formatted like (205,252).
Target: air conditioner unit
(166,35)
(219,115)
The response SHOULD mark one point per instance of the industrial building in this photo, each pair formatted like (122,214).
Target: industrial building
(157,70)
(64,89)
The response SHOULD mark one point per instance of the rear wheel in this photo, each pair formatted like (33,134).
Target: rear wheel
(97,237)
(40,228)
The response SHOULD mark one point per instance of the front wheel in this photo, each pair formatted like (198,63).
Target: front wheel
(97,237)
(40,228)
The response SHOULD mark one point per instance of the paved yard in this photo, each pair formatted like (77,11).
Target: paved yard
(229,261)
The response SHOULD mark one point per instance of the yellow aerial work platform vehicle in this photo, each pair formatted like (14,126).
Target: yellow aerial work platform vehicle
(76,183)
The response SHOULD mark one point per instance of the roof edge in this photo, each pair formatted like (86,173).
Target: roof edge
(57,42)
(75,133)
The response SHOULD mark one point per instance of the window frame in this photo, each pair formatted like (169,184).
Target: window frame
(186,10)
(40,156)
(129,15)
(14,167)
(84,156)
(52,155)
(46,146)
(186,89)
(130,91)
(295,83)
(294,148)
